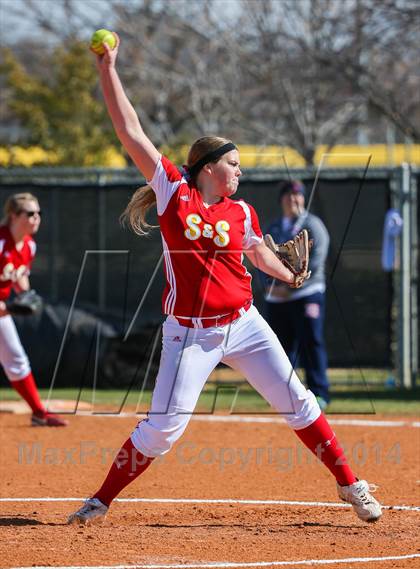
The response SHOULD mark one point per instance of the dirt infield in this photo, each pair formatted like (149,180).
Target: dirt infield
(214,460)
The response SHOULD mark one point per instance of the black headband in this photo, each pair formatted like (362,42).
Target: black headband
(210,157)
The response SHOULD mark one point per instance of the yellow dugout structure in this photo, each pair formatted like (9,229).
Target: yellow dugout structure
(339,156)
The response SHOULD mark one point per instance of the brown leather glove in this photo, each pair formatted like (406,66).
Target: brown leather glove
(294,254)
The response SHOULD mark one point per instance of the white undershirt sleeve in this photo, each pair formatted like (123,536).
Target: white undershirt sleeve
(165,182)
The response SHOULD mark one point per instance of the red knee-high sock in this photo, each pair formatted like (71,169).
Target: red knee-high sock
(26,387)
(321,440)
(127,466)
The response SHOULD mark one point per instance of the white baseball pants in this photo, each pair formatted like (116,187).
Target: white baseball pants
(13,357)
(188,357)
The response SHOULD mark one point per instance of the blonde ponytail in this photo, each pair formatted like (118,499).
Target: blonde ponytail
(144,198)
(134,215)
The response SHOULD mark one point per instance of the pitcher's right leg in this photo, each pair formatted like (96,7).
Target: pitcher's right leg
(188,357)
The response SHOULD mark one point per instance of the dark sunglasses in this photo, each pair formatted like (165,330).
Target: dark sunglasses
(31,213)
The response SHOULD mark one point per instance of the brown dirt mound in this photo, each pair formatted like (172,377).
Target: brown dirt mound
(212,460)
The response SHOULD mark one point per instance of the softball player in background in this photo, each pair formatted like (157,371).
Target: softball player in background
(22,218)
(208,303)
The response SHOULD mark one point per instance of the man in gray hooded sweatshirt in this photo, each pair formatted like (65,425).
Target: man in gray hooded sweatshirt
(297,316)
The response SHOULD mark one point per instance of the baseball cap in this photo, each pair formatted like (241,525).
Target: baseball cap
(294,186)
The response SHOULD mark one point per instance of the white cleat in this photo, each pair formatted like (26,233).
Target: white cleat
(93,511)
(364,504)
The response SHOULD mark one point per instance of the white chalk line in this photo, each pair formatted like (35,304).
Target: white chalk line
(213,501)
(348,422)
(269,420)
(274,419)
(215,565)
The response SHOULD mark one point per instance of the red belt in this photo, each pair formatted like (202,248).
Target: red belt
(216,320)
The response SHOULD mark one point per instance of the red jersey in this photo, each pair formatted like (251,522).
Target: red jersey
(14,264)
(203,247)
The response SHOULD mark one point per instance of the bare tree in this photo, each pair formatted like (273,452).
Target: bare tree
(370,44)
(291,72)
(189,73)
(175,64)
(297,101)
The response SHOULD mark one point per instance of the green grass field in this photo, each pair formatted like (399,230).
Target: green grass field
(238,397)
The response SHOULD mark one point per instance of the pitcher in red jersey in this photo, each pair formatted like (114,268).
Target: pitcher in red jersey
(210,317)
(22,217)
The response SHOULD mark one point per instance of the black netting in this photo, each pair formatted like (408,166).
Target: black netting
(359,294)
(80,218)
